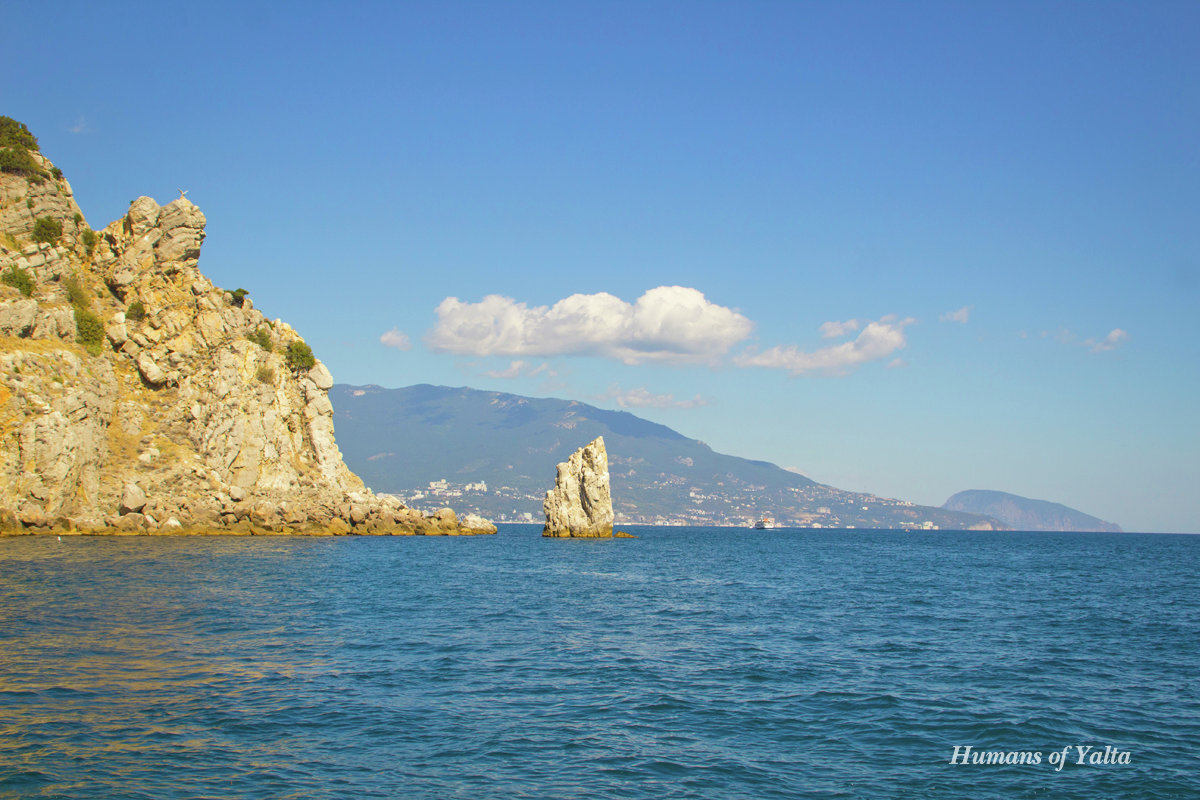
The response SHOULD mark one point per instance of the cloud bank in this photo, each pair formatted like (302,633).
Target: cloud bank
(1110,342)
(836,330)
(962,316)
(878,341)
(666,324)
(644,398)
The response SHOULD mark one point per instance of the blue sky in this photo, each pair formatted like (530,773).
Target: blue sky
(906,248)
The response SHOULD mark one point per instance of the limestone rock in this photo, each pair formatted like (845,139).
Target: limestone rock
(580,504)
(17,317)
(477,523)
(321,377)
(150,370)
(54,323)
(183,408)
(445,519)
(131,522)
(133,499)
(183,231)
(117,334)
(23,202)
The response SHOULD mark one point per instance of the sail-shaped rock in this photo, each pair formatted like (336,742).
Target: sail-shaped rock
(580,504)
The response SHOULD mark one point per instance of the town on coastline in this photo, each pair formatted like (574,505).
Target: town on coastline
(719,506)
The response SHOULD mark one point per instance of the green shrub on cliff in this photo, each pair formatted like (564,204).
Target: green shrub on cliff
(16,160)
(261,337)
(19,279)
(77,293)
(15,143)
(238,297)
(89,330)
(47,229)
(300,356)
(136,311)
(15,134)
(90,238)
(265,374)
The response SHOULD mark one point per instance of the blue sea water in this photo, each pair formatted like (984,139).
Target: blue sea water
(689,663)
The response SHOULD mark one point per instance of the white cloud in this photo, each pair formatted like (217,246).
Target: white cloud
(1110,342)
(80,126)
(960,316)
(643,398)
(897,363)
(669,323)
(397,339)
(877,341)
(521,369)
(836,330)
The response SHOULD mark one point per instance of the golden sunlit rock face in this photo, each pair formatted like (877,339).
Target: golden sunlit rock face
(125,373)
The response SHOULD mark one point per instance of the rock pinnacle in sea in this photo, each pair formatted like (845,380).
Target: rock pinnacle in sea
(580,504)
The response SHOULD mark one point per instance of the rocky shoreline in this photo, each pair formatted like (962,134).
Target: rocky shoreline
(238,530)
(372,516)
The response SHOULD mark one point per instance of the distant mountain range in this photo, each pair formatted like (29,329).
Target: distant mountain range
(1023,514)
(495,454)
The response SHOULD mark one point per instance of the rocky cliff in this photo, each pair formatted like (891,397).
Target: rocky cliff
(580,504)
(135,396)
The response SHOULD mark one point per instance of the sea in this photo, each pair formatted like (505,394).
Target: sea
(687,663)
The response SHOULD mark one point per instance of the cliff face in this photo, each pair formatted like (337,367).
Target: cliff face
(136,396)
(24,201)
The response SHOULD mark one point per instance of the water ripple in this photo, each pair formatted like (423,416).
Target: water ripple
(686,664)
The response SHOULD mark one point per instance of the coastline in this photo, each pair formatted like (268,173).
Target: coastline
(241,531)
